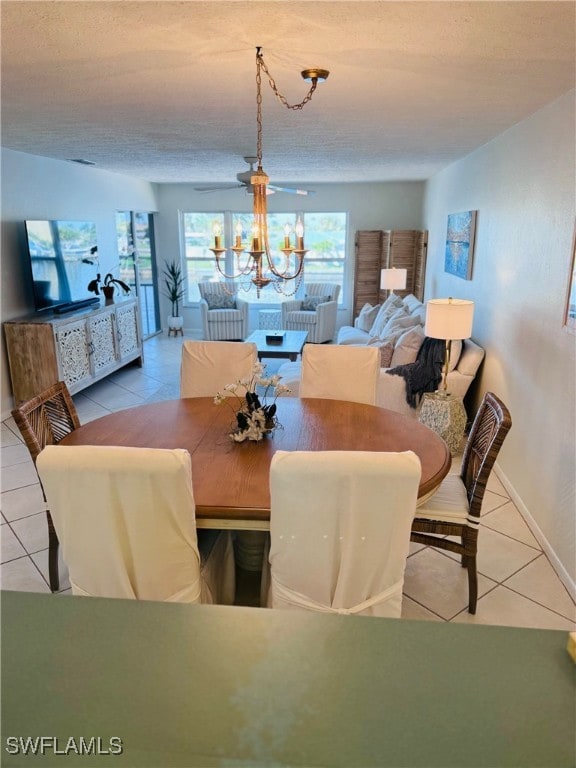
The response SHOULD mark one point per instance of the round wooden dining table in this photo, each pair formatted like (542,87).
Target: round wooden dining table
(231,480)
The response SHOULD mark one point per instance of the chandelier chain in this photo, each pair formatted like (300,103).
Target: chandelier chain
(261,64)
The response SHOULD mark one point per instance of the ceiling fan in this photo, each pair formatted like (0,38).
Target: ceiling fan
(244,183)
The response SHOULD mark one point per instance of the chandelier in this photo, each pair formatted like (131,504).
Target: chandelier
(258,266)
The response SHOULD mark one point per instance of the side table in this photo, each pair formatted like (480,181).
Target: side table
(446,415)
(269,319)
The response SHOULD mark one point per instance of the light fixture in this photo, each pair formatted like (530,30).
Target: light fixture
(393,278)
(448,319)
(253,269)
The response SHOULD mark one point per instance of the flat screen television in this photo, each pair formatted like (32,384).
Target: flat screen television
(63,259)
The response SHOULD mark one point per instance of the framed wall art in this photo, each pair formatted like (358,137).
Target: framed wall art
(459,253)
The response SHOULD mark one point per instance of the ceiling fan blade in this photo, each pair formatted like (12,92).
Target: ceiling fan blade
(291,190)
(218,189)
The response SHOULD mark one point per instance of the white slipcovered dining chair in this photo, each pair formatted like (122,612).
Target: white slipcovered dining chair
(125,518)
(224,316)
(340,373)
(316,313)
(340,530)
(207,366)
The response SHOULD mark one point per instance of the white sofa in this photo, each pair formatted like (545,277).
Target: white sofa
(398,348)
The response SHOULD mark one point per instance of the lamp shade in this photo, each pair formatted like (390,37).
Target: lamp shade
(449,318)
(393,278)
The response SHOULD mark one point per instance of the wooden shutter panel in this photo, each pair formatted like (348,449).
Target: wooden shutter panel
(367,272)
(379,249)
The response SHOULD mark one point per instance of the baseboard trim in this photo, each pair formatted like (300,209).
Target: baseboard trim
(561,571)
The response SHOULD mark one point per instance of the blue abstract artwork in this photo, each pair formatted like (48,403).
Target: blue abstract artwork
(460,244)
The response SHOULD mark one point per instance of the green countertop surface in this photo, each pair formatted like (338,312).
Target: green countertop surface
(194,685)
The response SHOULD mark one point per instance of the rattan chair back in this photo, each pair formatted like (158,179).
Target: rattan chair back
(487,434)
(47,418)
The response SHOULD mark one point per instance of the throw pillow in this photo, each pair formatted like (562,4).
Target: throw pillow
(407,346)
(386,351)
(310,303)
(412,303)
(220,301)
(387,310)
(366,318)
(397,325)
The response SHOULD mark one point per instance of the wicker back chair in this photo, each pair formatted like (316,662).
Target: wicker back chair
(45,420)
(454,510)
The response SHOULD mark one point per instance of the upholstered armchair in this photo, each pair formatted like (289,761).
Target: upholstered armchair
(310,314)
(224,315)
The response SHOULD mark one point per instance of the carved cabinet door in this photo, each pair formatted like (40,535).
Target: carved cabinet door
(103,352)
(127,330)
(73,352)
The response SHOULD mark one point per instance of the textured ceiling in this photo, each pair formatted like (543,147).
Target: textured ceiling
(165,91)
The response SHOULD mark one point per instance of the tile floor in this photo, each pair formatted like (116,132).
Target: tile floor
(517,585)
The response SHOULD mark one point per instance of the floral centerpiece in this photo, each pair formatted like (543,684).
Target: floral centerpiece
(255,416)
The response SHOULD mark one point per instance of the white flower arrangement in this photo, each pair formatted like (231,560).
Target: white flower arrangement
(255,417)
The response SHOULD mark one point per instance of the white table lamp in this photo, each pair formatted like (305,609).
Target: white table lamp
(393,278)
(448,319)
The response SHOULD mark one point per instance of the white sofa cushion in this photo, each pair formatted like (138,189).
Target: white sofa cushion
(396,326)
(392,304)
(411,303)
(365,319)
(349,335)
(407,347)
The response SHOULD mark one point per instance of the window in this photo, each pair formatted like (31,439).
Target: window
(325,237)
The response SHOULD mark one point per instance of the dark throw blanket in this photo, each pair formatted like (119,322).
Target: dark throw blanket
(426,373)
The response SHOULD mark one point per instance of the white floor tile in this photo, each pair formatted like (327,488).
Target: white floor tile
(508,609)
(22,502)
(22,575)
(14,454)
(539,582)
(18,476)
(496,486)
(491,501)
(11,426)
(7,437)
(32,532)
(411,610)
(10,546)
(506,519)
(439,583)
(500,556)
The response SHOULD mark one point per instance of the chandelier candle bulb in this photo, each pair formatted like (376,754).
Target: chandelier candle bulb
(300,235)
(238,235)
(217,236)
(287,236)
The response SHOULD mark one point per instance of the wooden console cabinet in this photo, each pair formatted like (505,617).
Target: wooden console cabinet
(79,347)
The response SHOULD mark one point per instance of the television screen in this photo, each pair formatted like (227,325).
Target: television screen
(63,258)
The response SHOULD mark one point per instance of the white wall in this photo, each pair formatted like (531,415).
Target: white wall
(41,188)
(395,205)
(522,185)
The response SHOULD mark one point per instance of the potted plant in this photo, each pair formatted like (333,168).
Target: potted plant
(107,286)
(175,291)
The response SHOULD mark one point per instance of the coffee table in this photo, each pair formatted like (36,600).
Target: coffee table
(291,345)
